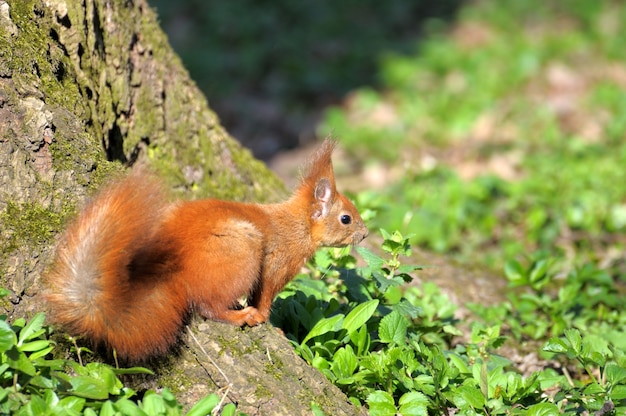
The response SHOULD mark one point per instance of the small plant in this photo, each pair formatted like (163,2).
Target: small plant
(604,389)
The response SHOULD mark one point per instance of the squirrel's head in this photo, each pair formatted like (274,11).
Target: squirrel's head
(335,221)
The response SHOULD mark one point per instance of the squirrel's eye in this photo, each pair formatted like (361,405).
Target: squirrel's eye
(345,219)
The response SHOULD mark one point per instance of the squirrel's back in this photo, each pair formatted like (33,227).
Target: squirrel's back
(95,285)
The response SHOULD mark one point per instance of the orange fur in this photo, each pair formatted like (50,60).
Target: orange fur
(132,266)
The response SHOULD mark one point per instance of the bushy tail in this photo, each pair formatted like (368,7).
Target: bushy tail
(95,288)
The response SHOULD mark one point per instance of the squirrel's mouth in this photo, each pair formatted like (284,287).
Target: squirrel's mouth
(361,236)
(357,238)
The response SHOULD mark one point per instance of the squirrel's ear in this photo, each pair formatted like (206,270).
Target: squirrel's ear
(323,198)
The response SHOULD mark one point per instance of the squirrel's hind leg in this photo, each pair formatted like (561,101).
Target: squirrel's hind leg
(247,316)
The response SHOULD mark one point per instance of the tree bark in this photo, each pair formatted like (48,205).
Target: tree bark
(89,87)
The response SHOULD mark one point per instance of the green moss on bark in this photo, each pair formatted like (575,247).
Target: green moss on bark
(28,225)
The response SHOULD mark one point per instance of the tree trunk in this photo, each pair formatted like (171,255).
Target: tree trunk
(89,87)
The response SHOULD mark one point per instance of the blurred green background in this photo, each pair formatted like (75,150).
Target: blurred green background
(489,130)
(270,67)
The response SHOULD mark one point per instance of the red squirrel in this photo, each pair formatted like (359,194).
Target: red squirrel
(132,267)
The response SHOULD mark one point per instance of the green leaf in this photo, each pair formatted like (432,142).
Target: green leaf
(320,363)
(4,392)
(323,259)
(424,383)
(107,409)
(153,404)
(514,272)
(614,373)
(106,375)
(370,258)
(393,328)
(4,367)
(33,329)
(466,397)
(556,345)
(385,234)
(132,370)
(618,393)
(359,316)
(19,323)
(596,349)
(569,293)
(453,330)
(593,389)
(7,337)
(35,406)
(50,397)
(229,410)
(381,404)
(35,345)
(41,353)
(344,362)
(89,388)
(458,362)
(323,326)
(19,361)
(129,408)
(539,273)
(484,380)
(409,268)
(498,342)
(305,352)
(575,340)
(204,406)
(361,339)
(543,409)
(73,403)
(91,412)
(384,282)
(317,411)
(407,309)
(169,397)
(413,404)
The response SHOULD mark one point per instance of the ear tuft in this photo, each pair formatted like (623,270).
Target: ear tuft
(320,165)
